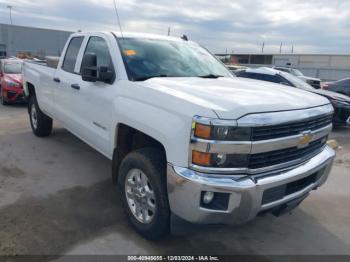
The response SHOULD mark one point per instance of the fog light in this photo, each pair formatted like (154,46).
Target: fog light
(208,197)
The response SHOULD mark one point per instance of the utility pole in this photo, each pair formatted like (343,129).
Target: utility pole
(168,31)
(292,49)
(10,8)
(262,48)
(281,48)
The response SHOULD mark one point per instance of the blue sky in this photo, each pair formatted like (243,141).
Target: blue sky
(312,26)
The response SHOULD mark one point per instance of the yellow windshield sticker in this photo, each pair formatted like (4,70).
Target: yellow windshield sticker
(129,52)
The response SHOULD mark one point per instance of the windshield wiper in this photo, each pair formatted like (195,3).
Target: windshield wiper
(144,78)
(211,76)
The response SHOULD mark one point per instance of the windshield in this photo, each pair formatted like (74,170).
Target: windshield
(297,82)
(296,72)
(146,58)
(13,68)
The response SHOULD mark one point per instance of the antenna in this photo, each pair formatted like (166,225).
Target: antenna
(262,47)
(117,14)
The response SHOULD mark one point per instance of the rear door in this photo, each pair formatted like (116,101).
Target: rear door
(66,75)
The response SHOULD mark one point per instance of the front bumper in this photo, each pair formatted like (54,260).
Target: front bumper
(12,95)
(245,201)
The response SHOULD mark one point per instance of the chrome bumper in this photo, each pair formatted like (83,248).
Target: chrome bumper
(245,196)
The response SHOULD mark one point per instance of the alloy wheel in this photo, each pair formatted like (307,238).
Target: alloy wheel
(140,196)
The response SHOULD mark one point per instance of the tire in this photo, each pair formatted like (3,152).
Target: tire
(41,124)
(152,163)
(2,100)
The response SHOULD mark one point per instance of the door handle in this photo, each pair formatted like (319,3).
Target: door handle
(57,80)
(75,86)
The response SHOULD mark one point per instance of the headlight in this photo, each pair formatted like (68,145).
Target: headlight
(11,84)
(221,133)
(218,131)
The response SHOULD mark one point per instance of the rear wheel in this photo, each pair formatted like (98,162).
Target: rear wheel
(41,124)
(143,191)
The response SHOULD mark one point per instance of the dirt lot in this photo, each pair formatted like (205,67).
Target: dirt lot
(56,197)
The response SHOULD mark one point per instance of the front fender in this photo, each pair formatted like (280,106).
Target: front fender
(171,129)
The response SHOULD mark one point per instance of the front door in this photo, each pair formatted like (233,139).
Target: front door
(93,101)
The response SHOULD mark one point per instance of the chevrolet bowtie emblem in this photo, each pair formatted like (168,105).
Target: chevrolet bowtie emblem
(305,139)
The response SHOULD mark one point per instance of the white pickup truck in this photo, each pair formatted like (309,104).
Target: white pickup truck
(185,136)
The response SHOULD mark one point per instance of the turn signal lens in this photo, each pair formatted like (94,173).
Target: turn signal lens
(202,131)
(201,159)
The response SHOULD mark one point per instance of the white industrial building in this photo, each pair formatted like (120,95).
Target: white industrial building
(323,66)
(36,41)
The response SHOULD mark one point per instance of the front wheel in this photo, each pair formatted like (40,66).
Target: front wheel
(143,190)
(41,124)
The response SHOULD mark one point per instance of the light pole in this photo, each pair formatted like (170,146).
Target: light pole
(10,8)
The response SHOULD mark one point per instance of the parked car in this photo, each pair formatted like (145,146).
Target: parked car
(185,136)
(341,103)
(315,82)
(341,86)
(236,68)
(11,87)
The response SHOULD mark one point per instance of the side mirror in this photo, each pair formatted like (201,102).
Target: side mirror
(89,68)
(105,75)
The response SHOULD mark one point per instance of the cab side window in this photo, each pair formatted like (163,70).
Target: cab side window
(70,58)
(99,47)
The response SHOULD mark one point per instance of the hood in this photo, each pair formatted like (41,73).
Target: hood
(17,78)
(232,98)
(332,95)
(307,78)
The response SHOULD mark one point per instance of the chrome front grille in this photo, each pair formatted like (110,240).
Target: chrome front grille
(278,141)
(290,129)
(287,155)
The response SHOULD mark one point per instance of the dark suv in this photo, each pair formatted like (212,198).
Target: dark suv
(315,82)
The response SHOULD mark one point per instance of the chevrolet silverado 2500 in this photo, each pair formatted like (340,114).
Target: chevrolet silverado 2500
(185,136)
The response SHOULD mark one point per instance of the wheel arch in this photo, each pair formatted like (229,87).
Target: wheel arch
(128,139)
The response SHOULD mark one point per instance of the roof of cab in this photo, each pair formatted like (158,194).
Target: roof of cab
(118,34)
(145,35)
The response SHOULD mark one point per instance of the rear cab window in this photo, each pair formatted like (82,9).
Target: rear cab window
(71,55)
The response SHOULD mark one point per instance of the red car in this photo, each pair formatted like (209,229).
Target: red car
(11,85)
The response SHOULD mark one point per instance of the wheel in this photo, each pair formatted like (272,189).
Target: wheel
(2,99)
(41,124)
(142,184)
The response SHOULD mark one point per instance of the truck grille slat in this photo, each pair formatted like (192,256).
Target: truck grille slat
(277,131)
(285,155)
